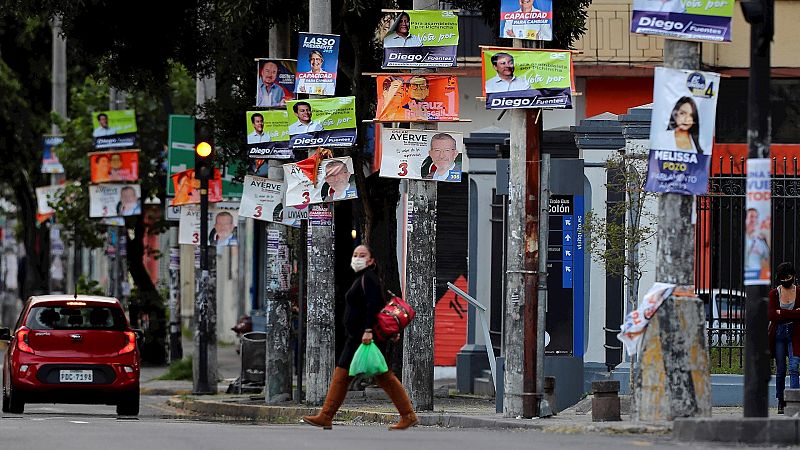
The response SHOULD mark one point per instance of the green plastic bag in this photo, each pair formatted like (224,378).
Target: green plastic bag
(368,361)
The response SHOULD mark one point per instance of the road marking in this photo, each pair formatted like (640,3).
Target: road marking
(78,421)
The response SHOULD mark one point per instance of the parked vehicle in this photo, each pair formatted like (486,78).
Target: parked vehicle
(724,316)
(71,349)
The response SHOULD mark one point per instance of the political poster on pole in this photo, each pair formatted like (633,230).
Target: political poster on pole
(701,20)
(526,19)
(322,122)
(418,39)
(317,63)
(222,226)
(527,78)
(421,155)
(262,199)
(682,130)
(274,81)
(758,223)
(50,162)
(187,188)
(114,166)
(335,180)
(114,129)
(268,135)
(114,200)
(412,98)
(46,195)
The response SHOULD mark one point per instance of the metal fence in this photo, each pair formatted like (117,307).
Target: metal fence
(719,249)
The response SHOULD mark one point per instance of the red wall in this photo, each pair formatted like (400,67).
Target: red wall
(450,326)
(616,95)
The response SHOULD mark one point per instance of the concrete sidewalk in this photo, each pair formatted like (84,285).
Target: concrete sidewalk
(228,369)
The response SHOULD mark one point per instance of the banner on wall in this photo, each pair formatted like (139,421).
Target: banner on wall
(114,200)
(527,78)
(421,155)
(758,223)
(268,135)
(526,19)
(335,181)
(682,130)
(262,199)
(274,81)
(409,98)
(705,20)
(317,63)
(114,166)
(421,39)
(325,122)
(187,188)
(114,129)
(50,162)
(223,227)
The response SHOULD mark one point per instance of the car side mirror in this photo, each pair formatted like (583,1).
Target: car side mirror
(5,334)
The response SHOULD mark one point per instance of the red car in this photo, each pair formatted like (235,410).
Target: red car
(71,349)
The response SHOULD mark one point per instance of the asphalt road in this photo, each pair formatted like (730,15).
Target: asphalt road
(86,427)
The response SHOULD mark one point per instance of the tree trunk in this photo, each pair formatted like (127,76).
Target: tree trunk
(36,238)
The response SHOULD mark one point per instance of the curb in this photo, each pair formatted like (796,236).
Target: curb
(293,414)
(747,430)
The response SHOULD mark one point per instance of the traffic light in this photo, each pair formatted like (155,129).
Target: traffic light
(203,149)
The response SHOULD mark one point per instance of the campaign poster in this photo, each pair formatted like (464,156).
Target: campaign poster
(421,39)
(317,63)
(527,78)
(115,200)
(682,130)
(526,19)
(758,223)
(336,181)
(699,20)
(268,135)
(421,155)
(50,162)
(46,195)
(187,188)
(274,81)
(322,122)
(114,129)
(223,227)
(262,199)
(417,98)
(114,166)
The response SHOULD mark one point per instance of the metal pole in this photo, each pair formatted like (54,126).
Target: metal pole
(175,344)
(545,409)
(757,360)
(203,379)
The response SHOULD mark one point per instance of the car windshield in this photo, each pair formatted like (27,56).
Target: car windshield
(75,318)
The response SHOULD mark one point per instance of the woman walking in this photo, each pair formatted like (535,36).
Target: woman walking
(364,300)
(784,342)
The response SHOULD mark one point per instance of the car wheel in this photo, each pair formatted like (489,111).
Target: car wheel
(16,405)
(128,405)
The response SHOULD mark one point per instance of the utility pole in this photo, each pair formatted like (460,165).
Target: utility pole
(204,366)
(674,379)
(175,344)
(59,106)
(117,101)
(277,307)
(522,396)
(420,288)
(760,15)
(321,283)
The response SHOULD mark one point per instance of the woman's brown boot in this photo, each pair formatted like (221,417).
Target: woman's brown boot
(336,394)
(394,389)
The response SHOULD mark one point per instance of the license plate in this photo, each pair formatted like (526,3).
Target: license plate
(75,376)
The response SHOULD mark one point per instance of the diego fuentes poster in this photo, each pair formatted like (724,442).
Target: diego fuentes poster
(114,129)
(326,122)
(274,81)
(527,78)
(114,200)
(682,130)
(526,19)
(409,98)
(421,39)
(317,63)
(421,155)
(262,199)
(705,20)
(268,135)
(335,181)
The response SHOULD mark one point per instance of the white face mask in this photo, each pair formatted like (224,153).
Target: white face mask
(358,264)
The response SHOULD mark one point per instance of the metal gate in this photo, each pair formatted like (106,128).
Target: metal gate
(719,249)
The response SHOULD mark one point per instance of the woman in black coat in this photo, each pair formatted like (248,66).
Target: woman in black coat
(364,300)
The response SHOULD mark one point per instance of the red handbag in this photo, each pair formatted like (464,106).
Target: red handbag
(395,316)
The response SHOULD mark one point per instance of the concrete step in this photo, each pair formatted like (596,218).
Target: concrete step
(484,386)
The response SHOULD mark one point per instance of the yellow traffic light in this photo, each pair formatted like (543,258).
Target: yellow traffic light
(203,149)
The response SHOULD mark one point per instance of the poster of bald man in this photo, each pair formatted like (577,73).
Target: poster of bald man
(421,155)
(334,181)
